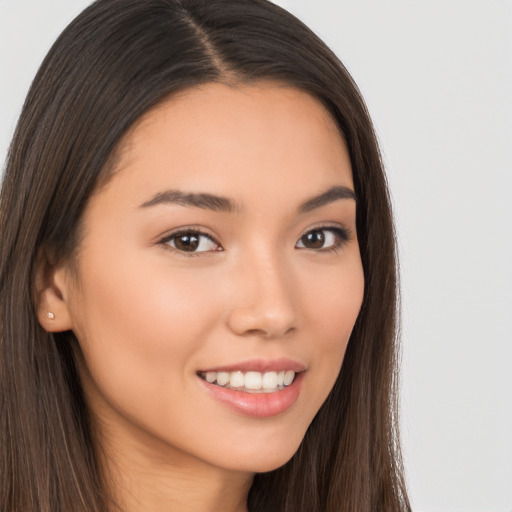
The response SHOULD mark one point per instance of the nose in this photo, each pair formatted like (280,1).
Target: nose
(263,302)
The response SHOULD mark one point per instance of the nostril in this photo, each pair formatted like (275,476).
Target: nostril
(269,332)
(264,305)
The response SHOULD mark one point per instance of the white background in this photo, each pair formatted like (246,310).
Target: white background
(437,76)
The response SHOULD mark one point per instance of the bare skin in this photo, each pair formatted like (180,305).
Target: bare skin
(173,287)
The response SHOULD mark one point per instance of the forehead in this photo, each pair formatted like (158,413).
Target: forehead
(219,137)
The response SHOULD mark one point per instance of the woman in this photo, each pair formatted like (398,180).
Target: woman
(198,277)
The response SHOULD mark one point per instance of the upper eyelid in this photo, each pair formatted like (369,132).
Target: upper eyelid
(337,229)
(326,227)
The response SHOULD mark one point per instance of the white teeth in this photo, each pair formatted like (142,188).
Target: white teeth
(237,380)
(269,380)
(288,378)
(254,382)
(222,378)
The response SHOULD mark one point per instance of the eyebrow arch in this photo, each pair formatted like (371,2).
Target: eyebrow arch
(199,200)
(331,195)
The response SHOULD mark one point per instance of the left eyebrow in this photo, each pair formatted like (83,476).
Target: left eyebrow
(331,195)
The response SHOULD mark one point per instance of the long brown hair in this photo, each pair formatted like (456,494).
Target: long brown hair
(113,63)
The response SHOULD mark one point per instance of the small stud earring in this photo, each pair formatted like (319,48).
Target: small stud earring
(50,315)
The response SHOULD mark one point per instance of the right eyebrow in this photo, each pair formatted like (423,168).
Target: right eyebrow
(199,200)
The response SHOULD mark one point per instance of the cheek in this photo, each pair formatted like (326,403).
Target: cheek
(138,331)
(333,300)
(332,307)
(144,302)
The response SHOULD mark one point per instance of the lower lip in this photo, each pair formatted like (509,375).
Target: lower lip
(257,405)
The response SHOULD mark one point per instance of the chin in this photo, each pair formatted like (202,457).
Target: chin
(263,460)
(271,463)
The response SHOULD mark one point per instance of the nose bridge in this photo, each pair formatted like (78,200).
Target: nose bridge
(265,303)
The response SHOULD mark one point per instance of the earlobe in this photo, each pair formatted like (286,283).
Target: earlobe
(52,295)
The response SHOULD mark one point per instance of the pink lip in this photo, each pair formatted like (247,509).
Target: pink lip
(260,365)
(256,405)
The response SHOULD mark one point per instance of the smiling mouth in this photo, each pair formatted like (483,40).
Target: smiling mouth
(250,382)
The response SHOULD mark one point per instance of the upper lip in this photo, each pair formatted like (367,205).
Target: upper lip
(260,365)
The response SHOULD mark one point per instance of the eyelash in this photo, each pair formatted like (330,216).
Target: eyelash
(342,237)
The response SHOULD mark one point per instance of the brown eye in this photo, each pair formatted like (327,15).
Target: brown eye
(192,241)
(314,239)
(186,242)
(323,239)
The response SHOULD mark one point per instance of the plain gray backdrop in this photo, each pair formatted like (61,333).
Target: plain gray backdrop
(437,77)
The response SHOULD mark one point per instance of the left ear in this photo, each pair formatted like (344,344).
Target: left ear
(52,288)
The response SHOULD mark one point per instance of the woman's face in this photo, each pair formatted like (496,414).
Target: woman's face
(219,278)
